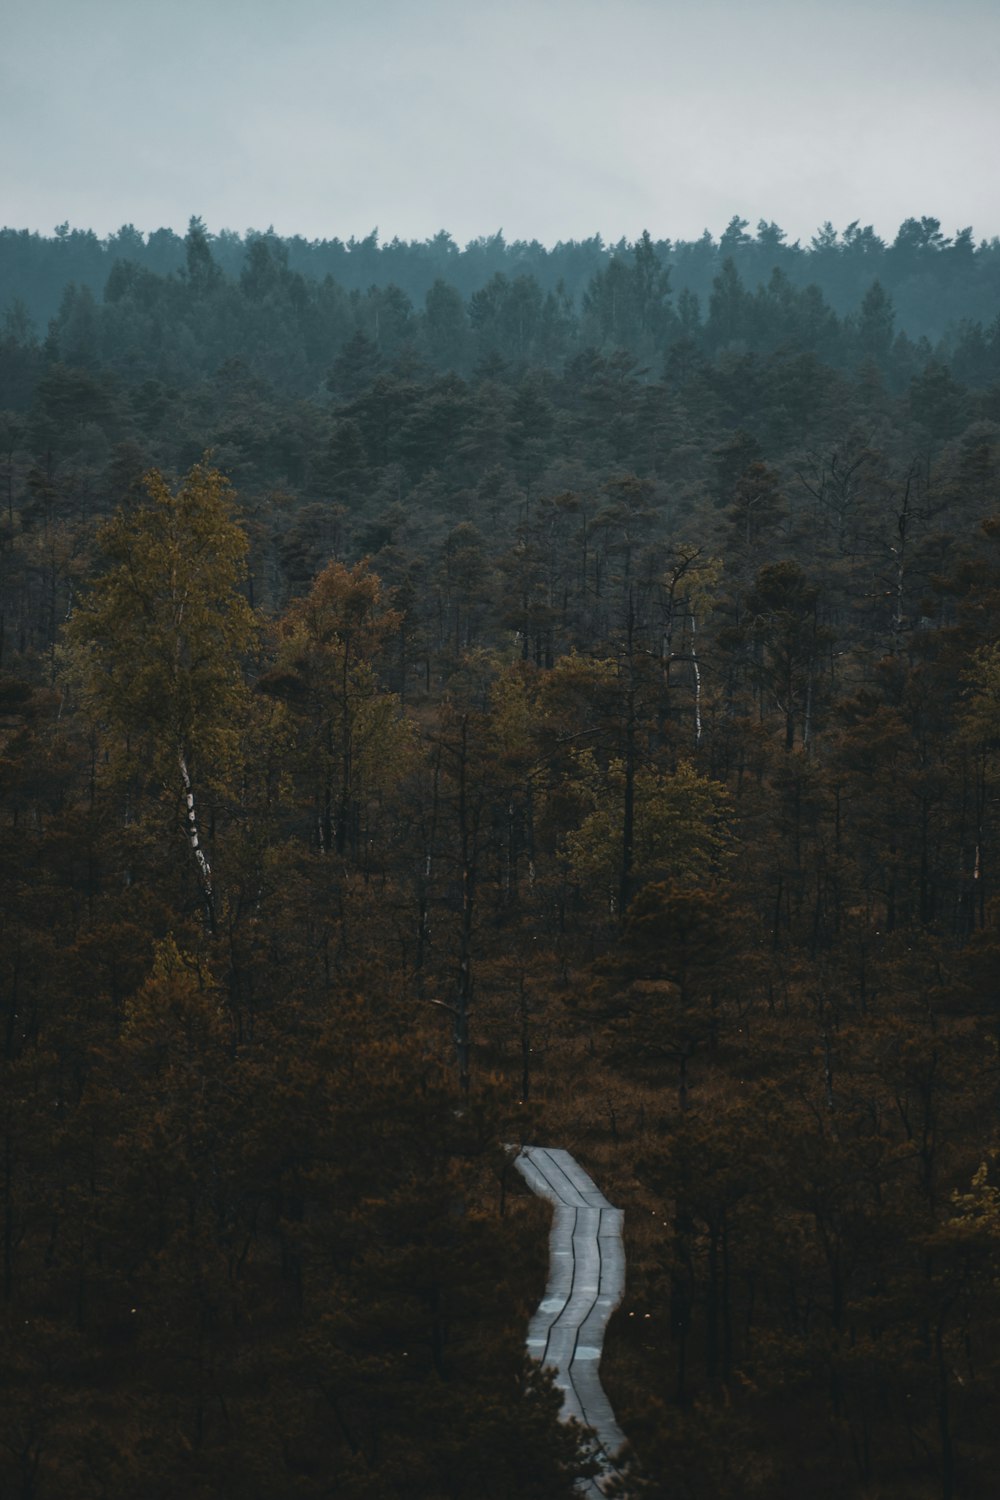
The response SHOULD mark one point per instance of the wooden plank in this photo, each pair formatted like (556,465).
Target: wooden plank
(586,1283)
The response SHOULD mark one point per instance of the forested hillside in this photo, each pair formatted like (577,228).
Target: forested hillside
(444,706)
(942,285)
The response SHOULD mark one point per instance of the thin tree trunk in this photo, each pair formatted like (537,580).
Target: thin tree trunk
(194,841)
(697,682)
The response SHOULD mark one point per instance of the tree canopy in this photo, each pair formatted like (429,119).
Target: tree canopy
(438,715)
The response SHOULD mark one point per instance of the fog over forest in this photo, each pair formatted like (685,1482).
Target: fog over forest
(939,280)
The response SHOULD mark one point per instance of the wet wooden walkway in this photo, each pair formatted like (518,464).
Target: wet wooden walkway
(586,1283)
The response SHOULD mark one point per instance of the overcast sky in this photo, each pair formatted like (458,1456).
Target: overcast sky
(551,120)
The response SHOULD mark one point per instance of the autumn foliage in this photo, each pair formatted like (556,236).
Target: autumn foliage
(575,753)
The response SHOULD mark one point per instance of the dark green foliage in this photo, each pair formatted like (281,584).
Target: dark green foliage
(617,731)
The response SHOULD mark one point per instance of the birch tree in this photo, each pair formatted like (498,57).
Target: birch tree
(157,647)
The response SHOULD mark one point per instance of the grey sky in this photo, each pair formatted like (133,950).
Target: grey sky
(551,120)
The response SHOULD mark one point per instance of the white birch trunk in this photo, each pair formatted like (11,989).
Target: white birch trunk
(697,682)
(194,840)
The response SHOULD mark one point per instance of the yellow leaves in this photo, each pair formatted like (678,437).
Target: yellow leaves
(692,578)
(586,781)
(576,687)
(682,825)
(981,717)
(384,743)
(979,1209)
(972,1233)
(345,613)
(340,727)
(157,645)
(176,1010)
(513,715)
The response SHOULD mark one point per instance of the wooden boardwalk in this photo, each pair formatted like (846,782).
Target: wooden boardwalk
(585,1285)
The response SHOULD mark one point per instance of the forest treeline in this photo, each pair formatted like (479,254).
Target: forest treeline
(441,734)
(520,300)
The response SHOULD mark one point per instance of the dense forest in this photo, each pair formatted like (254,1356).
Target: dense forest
(451,699)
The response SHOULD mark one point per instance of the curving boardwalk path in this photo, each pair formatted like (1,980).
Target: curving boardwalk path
(586,1282)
